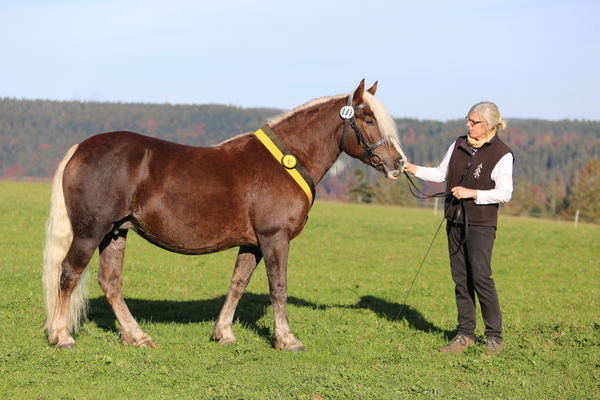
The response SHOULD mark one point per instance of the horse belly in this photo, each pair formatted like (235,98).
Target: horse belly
(203,220)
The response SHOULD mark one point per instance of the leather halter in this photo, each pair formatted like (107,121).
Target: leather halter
(374,159)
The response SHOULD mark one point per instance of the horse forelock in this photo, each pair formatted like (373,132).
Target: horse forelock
(386,123)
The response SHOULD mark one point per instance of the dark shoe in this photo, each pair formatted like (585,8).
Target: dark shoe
(494,346)
(457,345)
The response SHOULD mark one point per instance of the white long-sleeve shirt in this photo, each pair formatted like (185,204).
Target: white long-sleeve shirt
(501,175)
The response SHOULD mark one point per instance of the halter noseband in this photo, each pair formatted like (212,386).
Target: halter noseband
(347,114)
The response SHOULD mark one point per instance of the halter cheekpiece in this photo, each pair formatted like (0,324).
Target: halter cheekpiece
(347,113)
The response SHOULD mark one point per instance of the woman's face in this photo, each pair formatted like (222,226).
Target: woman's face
(478,128)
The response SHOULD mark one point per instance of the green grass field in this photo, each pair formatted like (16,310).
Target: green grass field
(348,275)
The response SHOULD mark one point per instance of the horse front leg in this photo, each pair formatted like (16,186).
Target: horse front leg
(275,251)
(247,260)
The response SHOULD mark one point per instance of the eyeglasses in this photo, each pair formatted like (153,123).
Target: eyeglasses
(472,121)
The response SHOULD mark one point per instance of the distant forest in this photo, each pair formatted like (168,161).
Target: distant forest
(552,157)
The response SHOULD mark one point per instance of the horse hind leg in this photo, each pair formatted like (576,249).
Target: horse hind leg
(71,304)
(112,252)
(247,260)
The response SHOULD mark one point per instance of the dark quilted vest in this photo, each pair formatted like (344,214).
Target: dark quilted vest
(473,170)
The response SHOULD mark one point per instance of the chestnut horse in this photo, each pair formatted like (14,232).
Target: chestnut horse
(197,200)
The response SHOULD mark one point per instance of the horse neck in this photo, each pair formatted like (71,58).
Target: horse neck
(312,135)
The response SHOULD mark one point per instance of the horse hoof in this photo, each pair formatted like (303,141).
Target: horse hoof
(65,345)
(223,341)
(128,339)
(226,341)
(146,342)
(294,345)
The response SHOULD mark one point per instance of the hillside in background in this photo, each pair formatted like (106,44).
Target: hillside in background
(550,155)
(34,135)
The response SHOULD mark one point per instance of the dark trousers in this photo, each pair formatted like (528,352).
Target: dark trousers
(472,273)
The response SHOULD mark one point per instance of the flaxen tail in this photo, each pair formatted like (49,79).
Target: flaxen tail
(59,236)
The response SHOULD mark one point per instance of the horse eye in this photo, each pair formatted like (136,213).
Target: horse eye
(370,122)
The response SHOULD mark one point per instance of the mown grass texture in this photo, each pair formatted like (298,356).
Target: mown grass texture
(348,275)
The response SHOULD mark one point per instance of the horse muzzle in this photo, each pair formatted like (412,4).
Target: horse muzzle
(398,168)
(392,174)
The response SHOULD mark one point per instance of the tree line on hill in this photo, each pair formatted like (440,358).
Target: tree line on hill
(557,168)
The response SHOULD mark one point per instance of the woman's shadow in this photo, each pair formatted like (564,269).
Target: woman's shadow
(398,311)
(251,308)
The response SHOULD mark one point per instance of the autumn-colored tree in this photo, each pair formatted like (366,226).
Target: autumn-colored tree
(522,201)
(585,195)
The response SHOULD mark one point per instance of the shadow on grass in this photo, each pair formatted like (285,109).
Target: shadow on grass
(251,308)
(391,312)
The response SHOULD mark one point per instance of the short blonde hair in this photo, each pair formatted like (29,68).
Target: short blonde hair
(490,113)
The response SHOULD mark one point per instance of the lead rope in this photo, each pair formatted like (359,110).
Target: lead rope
(399,316)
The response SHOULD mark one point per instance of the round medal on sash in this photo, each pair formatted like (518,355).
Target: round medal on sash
(289,161)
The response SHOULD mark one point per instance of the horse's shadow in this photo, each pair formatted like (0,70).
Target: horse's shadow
(251,308)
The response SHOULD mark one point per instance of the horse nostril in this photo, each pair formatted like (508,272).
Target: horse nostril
(399,164)
(395,173)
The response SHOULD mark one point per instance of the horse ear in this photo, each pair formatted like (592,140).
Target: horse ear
(373,89)
(358,93)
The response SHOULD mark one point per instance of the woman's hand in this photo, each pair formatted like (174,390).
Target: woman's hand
(463,193)
(412,168)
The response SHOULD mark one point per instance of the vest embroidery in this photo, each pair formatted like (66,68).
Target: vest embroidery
(478,171)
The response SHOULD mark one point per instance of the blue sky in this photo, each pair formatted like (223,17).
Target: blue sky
(433,59)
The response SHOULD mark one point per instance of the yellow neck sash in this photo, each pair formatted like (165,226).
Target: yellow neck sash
(287,160)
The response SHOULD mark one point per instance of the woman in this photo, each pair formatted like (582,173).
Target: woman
(477,169)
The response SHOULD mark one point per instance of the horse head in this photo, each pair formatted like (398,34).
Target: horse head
(370,134)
